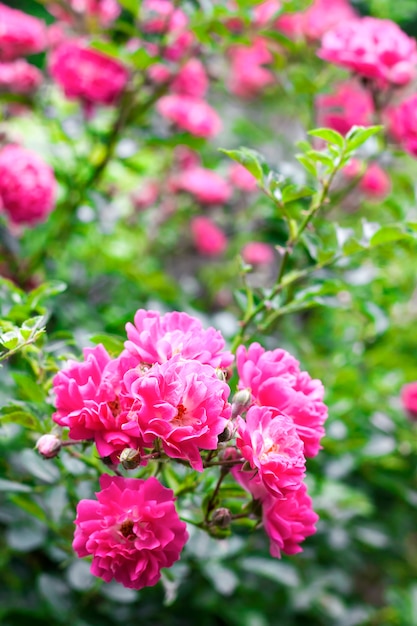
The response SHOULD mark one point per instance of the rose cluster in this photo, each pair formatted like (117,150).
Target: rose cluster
(165,399)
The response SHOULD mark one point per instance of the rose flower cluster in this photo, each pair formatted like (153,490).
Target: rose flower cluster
(165,399)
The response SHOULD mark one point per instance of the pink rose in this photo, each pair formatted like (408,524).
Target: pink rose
(132,531)
(86,74)
(155,338)
(191,80)
(191,114)
(275,380)
(258,253)
(93,403)
(241,178)
(161,16)
(402,121)
(27,185)
(288,522)
(183,404)
(208,238)
(409,399)
(105,11)
(374,48)
(348,105)
(312,23)
(206,186)
(248,76)
(268,440)
(19,77)
(20,34)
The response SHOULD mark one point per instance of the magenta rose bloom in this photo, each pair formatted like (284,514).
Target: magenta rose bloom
(269,441)
(20,34)
(249,77)
(206,186)
(86,74)
(155,339)
(275,380)
(93,403)
(348,105)
(192,114)
(132,531)
(105,11)
(409,399)
(373,48)
(27,185)
(289,521)
(184,404)
(19,77)
(208,238)
(402,121)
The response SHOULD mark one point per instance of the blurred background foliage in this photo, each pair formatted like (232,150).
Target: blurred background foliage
(359,338)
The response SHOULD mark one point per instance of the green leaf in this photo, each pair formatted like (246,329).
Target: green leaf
(10,486)
(112,343)
(328,135)
(21,417)
(309,165)
(357,135)
(252,160)
(388,234)
(44,291)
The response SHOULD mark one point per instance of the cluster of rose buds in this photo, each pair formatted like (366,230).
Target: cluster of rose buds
(165,399)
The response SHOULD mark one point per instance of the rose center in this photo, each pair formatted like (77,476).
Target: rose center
(126,528)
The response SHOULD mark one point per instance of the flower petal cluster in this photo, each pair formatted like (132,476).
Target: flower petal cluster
(314,22)
(289,521)
(20,34)
(241,178)
(191,114)
(155,339)
(105,11)
(402,121)
(132,531)
(86,74)
(275,380)
(269,441)
(184,404)
(19,77)
(409,399)
(248,74)
(27,185)
(374,48)
(92,402)
(208,238)
(348,105)
(205,185)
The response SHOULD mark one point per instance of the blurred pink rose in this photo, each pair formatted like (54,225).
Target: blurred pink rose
(241,178)
(312,23)
(132,531)
(105,11)
(86,74)
(191,80)
(206,186)
(208,238)
(258,253)
(409,399)
(161,16)
(27,185)
(248,76)
(191,114)
(20,34)
(402,122)
(19,77)
(373,48)
(348,105)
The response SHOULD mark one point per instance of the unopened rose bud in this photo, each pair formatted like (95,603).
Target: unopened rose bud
(48,446)
(221,374)
(241,401)
(130,458)
(221,517)
(227,434)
